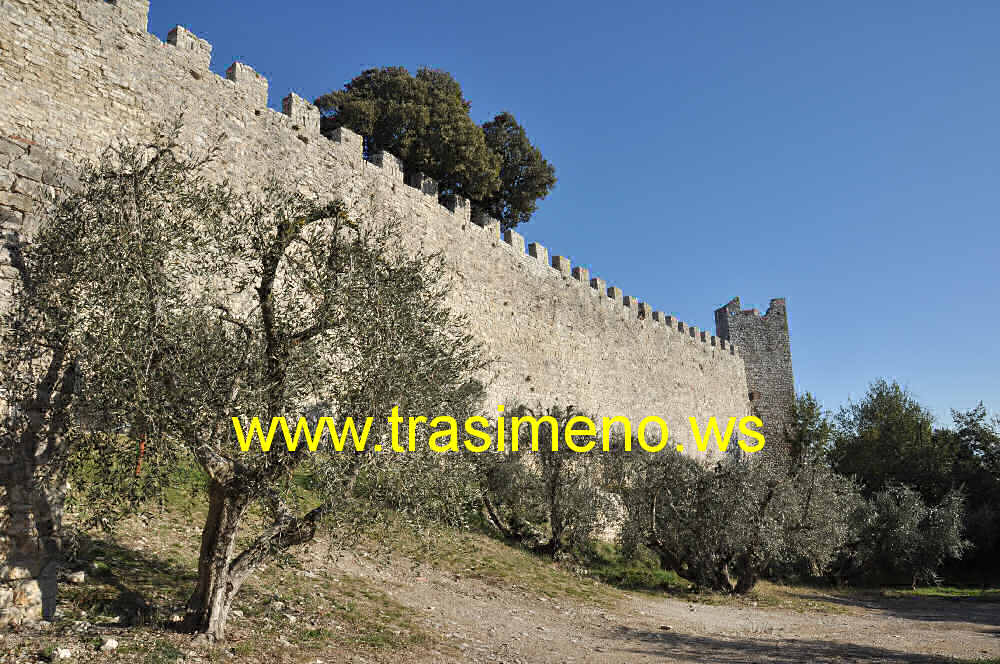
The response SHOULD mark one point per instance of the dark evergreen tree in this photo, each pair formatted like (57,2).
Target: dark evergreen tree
(424,120)
(525,176)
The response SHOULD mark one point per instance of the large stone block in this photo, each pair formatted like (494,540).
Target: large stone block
(536,250)
(10,219)
(562,264)
(36,190)
(391,165)
(17,201)
(487,223)
(27,167)
(134,13)
(426,185)
(9,150)
(20,602)
(515,240)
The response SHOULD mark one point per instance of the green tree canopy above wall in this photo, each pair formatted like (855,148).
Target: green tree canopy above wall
(424,120)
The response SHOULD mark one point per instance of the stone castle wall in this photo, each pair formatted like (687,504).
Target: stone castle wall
(76,74)
(767,354)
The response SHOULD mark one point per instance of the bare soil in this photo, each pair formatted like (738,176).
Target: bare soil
(475,600)
(491,624)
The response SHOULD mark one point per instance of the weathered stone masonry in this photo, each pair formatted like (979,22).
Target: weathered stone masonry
(767,355)
(76,74)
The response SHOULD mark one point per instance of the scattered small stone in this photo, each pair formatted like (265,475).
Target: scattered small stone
(109,645)
(63,653)
(201,641)
(77,577)
(278,605)
(290,618)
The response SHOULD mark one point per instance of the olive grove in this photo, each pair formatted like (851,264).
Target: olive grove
(166,305)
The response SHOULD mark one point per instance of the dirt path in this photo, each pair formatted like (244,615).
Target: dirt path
(489,624)
(456,616)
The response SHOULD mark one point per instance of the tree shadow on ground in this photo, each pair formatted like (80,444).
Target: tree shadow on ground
(983,612)
(673,646)
(136,586)
(139,587)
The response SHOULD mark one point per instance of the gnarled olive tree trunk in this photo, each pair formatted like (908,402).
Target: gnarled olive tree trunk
(209,604)
(222,572)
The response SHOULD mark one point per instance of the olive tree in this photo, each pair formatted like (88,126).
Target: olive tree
(544,494)
(900,538)
(198,305)
(45,358)
(724,526)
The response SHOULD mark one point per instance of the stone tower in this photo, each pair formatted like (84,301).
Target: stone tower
(764,344)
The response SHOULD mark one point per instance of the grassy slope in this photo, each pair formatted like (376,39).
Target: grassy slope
(142,577)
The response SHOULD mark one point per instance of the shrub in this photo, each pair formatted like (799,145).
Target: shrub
(902,539)
(551,500)
(724,526)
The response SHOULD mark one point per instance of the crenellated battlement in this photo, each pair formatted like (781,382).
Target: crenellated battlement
(305,119)
(250,82)
(560,331)
(198,50)
(394,169)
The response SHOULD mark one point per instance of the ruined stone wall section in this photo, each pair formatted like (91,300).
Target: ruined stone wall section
(77,74)
(29,177)
(766,348)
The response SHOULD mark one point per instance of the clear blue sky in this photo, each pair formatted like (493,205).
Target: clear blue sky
(843,155)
